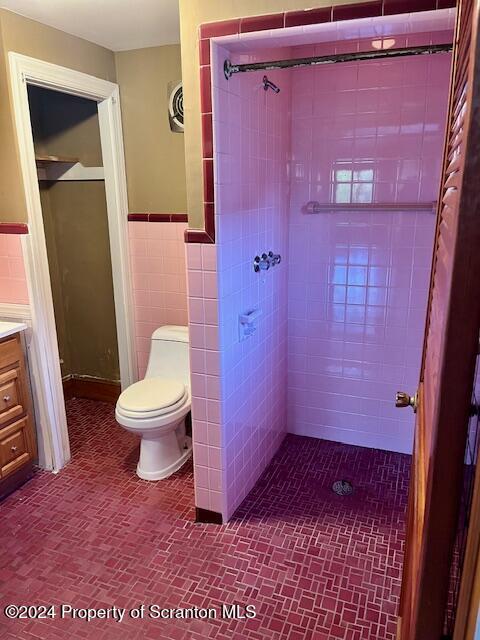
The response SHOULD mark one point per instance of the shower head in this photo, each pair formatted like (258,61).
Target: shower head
(267,84)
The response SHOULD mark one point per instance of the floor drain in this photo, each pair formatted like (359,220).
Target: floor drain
(342,487)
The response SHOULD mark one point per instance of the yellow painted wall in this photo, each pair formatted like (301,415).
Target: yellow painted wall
(154,155)
(192,14)
(12,199)
(45,43)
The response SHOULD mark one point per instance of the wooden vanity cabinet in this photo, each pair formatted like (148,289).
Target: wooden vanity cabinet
(18,447)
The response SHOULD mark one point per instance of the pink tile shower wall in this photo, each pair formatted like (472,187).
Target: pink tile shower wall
(252,144)
(208,453)
(157,258)
(13,282)
(239,408)
(358,281)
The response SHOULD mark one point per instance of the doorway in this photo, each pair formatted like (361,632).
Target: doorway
(26,73)
(70,170)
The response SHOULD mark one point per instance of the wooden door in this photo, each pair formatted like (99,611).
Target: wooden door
(450,348)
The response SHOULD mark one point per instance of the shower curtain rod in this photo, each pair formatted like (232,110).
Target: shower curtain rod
(229,69)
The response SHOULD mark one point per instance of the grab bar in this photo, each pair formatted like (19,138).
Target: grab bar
(322,207)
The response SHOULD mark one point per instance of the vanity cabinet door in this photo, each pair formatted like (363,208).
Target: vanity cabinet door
(14,447)
(18,447)
(12,403)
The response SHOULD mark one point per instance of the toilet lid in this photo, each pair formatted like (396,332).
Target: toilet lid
(152,395)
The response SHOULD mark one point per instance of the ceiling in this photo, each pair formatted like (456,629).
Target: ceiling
(115,24)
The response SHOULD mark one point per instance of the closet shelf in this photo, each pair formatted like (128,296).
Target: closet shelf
(55,168)
(47,160)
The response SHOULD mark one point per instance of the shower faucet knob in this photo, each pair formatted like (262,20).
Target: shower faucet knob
(264,262)
(261,263)
(275,258)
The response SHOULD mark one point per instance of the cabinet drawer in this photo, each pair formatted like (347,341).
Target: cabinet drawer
(14,449)
(12,404)
(10,352)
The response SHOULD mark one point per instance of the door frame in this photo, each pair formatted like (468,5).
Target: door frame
(469,597)
(48,389)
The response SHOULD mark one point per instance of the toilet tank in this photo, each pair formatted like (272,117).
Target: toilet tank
(169,354)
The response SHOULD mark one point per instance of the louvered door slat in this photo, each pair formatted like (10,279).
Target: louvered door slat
(454,166)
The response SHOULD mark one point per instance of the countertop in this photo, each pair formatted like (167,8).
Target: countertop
(9,328)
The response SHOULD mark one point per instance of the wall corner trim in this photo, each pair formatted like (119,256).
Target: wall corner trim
(198,236)
(206,235)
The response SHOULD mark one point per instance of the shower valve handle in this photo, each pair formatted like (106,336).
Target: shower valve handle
(265,261)
(261,263)
(275,258)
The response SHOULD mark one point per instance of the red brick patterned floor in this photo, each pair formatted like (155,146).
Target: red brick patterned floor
(317,566)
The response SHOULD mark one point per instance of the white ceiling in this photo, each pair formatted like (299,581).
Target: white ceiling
(116,24)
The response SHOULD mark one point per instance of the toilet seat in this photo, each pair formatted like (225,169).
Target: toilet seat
(152,397)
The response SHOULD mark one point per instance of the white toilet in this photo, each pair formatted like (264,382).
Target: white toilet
(155,408)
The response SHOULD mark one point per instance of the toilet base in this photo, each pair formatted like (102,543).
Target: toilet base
(153,450)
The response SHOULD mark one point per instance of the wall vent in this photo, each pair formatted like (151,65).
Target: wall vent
(175,106)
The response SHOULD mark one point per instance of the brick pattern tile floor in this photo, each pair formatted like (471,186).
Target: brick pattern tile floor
(316,566)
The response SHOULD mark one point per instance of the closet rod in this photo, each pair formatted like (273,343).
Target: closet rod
(229,69)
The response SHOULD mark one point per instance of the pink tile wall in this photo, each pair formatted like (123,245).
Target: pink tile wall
(252,143)
(208,440)
(157,258)
(13,282)
(365,132)
(239,408)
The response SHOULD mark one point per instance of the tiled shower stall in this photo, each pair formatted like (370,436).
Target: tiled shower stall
(341,317)
(363,133)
